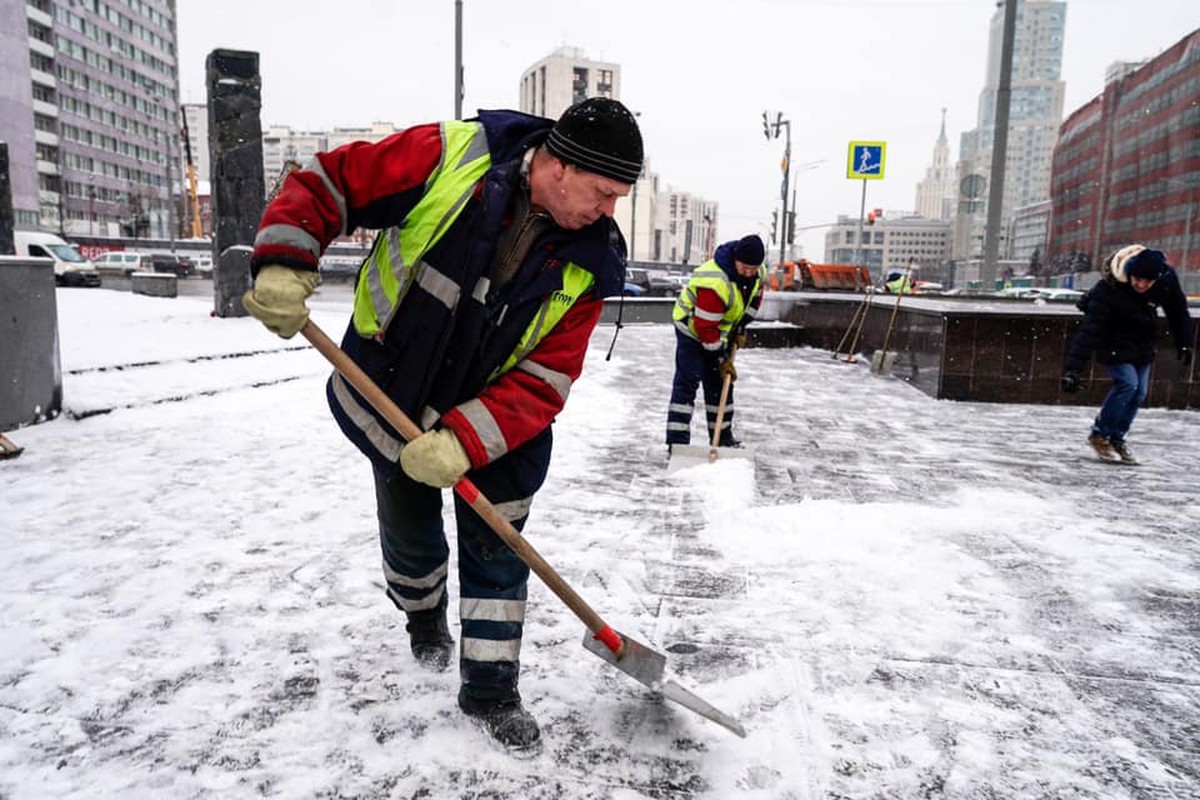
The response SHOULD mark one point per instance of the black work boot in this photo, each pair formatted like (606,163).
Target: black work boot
(430,639)
(505,720)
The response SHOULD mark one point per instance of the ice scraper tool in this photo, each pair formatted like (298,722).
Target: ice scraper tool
(628,655)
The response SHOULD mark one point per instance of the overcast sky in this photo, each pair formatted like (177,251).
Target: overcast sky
(700,75)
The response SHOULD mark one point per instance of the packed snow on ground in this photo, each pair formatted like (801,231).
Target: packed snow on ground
(897,597)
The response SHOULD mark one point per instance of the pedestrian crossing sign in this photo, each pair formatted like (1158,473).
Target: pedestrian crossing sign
(865,161)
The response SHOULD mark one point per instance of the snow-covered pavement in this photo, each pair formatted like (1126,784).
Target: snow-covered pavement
(900,597)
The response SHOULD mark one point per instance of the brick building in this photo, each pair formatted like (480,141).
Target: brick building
(1127,166)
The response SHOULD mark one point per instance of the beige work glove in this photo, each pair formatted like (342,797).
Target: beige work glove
(436,458)
(277,299)
(727,370)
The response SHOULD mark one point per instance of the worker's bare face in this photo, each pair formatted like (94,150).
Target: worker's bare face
(1141,285)
(746,270)
(582,197)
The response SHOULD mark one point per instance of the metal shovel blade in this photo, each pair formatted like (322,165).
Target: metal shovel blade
(648,667)
(638,661)
(689,455)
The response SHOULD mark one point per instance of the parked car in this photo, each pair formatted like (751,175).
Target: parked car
(639,278)
(662,286)
(204,266)
(168,262)
(122,262)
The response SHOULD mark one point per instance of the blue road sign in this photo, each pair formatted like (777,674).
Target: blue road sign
(865,160)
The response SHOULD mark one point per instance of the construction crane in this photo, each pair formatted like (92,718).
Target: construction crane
(193,196)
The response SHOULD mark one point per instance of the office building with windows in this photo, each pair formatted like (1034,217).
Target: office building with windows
(563,78)
(91,115)
(1035,112)
(1127,166)
(659,224)
(893,241)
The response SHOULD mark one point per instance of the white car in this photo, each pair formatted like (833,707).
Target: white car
(122,262)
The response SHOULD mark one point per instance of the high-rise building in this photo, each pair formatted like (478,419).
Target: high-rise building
(195,116)
(93,122)
(563,78)
(935,193)
(1035,112)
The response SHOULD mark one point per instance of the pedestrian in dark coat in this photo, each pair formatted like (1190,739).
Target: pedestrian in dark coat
(1121,327)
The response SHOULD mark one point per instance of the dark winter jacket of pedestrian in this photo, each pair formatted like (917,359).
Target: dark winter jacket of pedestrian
(1121,326)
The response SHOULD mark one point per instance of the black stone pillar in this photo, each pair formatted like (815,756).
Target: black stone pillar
(235,156)
(7,246)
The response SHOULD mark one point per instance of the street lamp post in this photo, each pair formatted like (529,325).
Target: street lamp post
(780,122)
(633,206)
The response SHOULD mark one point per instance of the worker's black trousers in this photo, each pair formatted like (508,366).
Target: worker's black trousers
(492,578)
(695,366)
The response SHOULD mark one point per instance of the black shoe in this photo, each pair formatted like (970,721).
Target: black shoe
(430,639)
(729,442)
(505,720)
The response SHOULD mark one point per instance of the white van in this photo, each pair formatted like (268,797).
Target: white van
(70,268)
(122,262)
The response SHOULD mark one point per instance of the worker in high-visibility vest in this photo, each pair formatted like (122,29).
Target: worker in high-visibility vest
(898,283)
(711,314)
(473,312)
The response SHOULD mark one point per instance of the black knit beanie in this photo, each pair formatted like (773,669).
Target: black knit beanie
(749,250)
(601,136)
(1147,265)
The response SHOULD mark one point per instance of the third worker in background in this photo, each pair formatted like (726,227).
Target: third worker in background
(711,315)
(1120,326)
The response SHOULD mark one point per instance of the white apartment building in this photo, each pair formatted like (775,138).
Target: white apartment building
(1035,114)
(894,241)
(375,132)
(195,115)
(1030,229)
(282,145)
(563,78)
(658,225)
(935,193)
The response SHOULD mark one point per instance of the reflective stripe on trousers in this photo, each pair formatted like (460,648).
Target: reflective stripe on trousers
(694,366)
(492,579)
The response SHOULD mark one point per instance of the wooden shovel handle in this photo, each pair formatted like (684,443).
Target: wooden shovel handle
(465,489)
(712,451)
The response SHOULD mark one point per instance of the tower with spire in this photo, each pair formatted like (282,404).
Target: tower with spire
(935,193)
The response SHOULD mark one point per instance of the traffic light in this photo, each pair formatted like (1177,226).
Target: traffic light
(791,227)
(871,218)
(774,225)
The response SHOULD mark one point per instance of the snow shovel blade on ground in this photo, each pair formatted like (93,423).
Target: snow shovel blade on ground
(628,655)
(649,667)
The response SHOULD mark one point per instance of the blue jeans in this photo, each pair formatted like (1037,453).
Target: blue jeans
(1129,388)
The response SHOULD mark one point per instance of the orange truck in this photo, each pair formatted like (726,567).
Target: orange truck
(793,276)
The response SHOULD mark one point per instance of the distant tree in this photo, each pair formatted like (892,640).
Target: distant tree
(1035,263)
